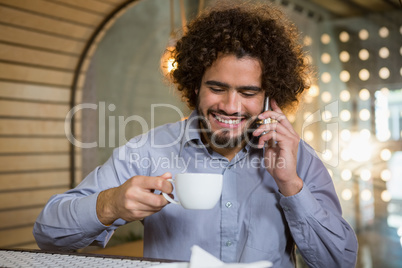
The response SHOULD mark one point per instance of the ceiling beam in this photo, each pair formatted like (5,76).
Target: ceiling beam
(373,5)
(339,8)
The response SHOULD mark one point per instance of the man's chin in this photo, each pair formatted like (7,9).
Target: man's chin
(227,141)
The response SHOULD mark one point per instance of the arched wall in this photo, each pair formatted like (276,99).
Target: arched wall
(45,49)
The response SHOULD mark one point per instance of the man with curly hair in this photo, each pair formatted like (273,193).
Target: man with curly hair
(276,193)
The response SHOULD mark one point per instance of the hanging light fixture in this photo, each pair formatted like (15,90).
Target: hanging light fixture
(168,63)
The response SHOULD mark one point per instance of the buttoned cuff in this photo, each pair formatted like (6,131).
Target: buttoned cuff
(87,217)
(300,205)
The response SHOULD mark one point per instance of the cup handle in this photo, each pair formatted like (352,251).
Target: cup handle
(168,198)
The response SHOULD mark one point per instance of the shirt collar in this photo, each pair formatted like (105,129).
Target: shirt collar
(192,134)
(192,129)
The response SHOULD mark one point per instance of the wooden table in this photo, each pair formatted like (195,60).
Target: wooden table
(132,249)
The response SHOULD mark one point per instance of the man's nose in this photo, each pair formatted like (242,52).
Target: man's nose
(231,103)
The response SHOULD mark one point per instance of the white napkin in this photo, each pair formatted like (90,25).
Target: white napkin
(202,259)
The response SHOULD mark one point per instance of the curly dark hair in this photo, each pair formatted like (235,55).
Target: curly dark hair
(260,31)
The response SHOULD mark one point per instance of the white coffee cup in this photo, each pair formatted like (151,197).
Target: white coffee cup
(196,190)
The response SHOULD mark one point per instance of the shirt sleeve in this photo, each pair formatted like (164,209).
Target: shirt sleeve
(314,216)
(69,220)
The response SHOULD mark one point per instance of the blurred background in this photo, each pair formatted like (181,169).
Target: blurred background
(102,58)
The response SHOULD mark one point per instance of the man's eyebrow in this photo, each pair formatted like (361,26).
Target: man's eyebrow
(225,85)
(249,88)
(217,83)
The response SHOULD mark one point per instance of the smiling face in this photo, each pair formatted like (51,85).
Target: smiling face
(229,100)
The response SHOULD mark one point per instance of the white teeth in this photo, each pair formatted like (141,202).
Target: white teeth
(230,121)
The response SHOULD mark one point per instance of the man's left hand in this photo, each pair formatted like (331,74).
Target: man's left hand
(281,144)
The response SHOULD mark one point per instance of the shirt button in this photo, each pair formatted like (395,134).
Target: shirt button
(228,204)
(228,243)
(286,208)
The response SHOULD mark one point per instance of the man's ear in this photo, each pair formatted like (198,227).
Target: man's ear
(196,91)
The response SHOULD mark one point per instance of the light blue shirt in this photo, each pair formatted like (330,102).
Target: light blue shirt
(253,221)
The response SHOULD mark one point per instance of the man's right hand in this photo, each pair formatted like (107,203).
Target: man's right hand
(134,199)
